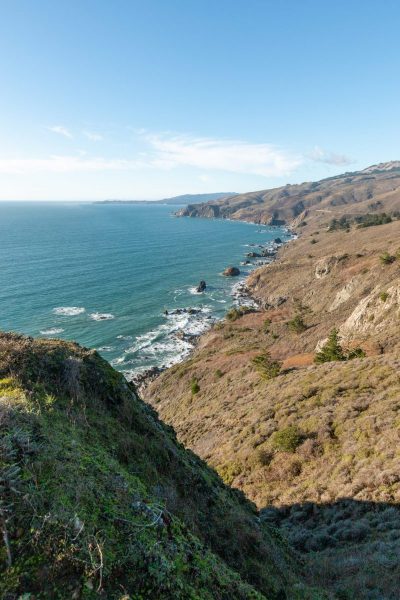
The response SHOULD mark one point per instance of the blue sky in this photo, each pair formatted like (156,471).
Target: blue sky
(133,99)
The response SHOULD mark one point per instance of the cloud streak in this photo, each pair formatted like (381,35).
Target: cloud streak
(66,164)
(167,151)
(93,136)
(329,158)
(233,156)
(61,130)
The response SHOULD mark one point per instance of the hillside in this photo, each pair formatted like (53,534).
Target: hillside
(360,192)
(98,500)
(315,446)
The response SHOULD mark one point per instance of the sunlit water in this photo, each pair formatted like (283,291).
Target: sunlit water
(104,275)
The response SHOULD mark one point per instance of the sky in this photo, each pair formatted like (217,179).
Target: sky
(144,100)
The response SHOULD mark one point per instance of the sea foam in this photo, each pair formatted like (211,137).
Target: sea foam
(96,316)
(52,331)
(69,311)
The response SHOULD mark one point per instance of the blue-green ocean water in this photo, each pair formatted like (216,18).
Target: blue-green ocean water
(103,275)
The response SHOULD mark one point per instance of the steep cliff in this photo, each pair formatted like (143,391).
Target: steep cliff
(98,500)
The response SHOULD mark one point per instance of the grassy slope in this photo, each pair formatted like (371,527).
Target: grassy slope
(346,415)
(99,500)
(353,193)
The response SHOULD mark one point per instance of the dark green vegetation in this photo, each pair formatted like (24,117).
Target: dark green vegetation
(369,220)
(236,312)
(98,500)
(266,366)
(297,324)
(332,350)
(387,259)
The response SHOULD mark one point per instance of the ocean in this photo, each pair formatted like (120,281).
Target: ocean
(120,278)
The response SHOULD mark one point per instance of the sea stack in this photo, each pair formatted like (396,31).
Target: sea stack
(231,272)
(201,287)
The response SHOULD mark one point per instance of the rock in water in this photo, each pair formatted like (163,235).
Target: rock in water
(231,272)
(201,287)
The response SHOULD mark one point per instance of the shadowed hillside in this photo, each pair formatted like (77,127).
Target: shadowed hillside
(98,500)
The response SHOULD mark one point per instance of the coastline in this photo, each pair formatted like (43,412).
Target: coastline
(240,293)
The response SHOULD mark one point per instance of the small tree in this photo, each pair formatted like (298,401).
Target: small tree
(266,366)
(297,324)
(332,350)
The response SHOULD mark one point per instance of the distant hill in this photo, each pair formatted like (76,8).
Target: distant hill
(197,198)
(361,191)
(184,199)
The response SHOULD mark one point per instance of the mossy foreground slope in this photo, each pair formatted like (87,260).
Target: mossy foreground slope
(99,500)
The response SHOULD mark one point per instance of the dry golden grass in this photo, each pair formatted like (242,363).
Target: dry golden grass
(347,414)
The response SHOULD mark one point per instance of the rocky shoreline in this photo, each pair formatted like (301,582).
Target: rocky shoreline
(264,254)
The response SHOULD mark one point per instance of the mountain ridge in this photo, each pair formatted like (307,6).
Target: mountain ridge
(285,204)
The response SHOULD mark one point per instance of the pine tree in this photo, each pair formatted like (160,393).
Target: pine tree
(332,350)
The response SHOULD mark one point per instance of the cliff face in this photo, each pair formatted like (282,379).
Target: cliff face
(360,192)
(315,445)
(99,500)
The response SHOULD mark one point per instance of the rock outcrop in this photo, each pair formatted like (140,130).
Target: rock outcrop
(201,287)
(376,312)
(231,272)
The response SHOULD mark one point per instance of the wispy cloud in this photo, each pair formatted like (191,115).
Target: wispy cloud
(93,136)
(234,156)
(66,164)
(61,130)
(329,158)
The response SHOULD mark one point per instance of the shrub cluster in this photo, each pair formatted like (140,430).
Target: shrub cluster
(387,259)
(236,312)
(297,325)
(287,439)
(266,366)
(333,351)
(361,221)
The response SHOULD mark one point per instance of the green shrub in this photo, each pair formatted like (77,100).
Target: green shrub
(383,296)
(236,312)
(313,241)
(337,224)
(266,366)
(266,325)
(355,353)
(286,440)
(387,259)
(229,471)
(369,220)
(194,386)
(297,325)
(218,373)
(332,350)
